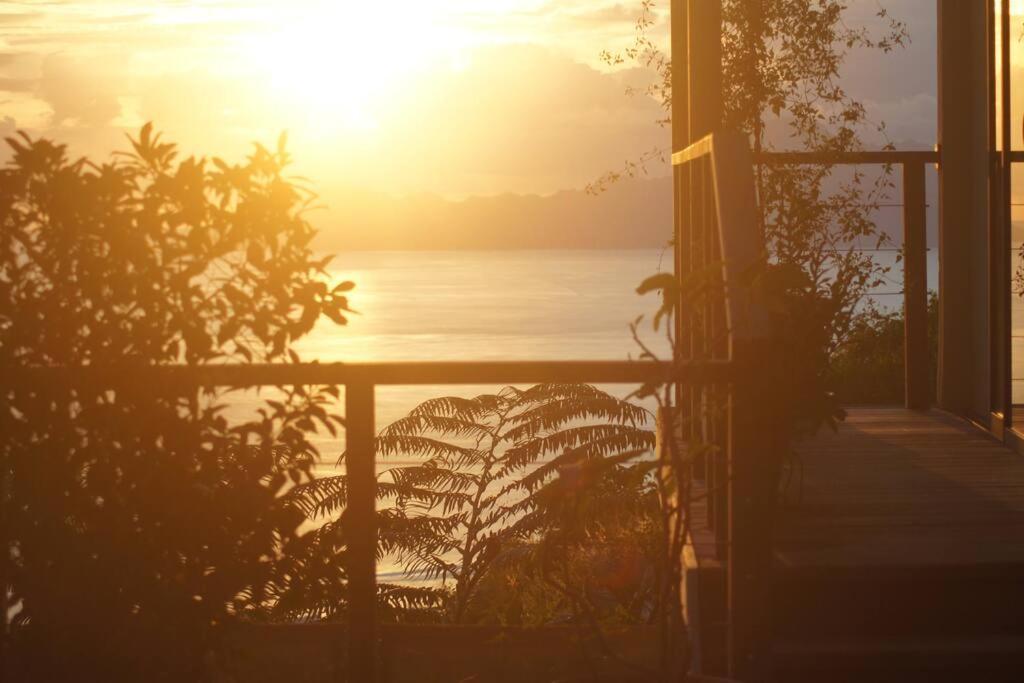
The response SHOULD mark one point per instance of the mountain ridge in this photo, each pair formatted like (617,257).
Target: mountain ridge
(631,214)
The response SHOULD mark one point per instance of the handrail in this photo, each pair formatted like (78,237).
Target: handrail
(360,380)
(716,205)
(917,382)
(852,158)
(383,373)
(880,157)
(718,234)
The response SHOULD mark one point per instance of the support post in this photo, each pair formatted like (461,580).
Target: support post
(756,426)
(963,373)
(361,529)
(752,457)
(915,289)
(680,177)
(704,117)
(680,75)
(705,67)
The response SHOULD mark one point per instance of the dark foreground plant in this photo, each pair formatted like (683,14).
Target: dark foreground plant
(138,519)
(492,481)
(782,85)
(868,367)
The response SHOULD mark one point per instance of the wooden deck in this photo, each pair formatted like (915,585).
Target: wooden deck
(900,556)
(897,488)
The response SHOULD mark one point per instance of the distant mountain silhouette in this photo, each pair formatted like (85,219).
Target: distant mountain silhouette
(633,213)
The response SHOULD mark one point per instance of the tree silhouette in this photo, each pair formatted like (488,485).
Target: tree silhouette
(782,71)
(138,518)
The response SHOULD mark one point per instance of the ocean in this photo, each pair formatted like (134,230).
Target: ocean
(487,305)
(493,305)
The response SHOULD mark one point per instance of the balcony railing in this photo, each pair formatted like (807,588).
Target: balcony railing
(717,222)
(360,381)
(721,368)
(917,379)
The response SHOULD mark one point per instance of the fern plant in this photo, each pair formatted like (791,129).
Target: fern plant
(481,487)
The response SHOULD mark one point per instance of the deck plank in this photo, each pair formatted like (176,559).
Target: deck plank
(897,488)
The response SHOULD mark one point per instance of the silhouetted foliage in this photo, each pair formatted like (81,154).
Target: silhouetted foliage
(139,519)
(869,366)
(781,63)
(496,479)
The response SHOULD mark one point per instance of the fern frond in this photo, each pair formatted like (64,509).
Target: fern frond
(442,425)
(391,444)
(457,407)
(603,439)
(554,415)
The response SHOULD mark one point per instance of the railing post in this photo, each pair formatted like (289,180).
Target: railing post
(963,354)
(361,531)
(915,289)
(705,67)
(754,454)
(704,111)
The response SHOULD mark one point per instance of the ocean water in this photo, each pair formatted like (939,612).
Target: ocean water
(509,305)
(495,305)
(513,305)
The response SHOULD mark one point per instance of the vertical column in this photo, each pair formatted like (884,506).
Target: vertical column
(999,300)
(963,239)
(361,529)
(915,288)
(680,139)
(680,75)
(705,63)
(704,100)
(755,436)
(1000,216)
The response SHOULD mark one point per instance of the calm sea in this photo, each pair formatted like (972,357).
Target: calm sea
(508,305)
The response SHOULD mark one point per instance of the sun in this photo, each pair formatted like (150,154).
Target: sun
(339,63)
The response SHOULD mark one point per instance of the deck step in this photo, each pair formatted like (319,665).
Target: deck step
(993,659)
(907,601)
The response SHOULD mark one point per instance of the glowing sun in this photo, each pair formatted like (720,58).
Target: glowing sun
(338,62)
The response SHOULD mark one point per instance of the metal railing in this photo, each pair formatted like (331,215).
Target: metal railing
(718,227)
(917,379)
(734,428)
(360,381)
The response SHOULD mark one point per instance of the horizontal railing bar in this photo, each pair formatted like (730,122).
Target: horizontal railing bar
(699,149)
(395,374)
(1016,156)
(849,158)
(703,147)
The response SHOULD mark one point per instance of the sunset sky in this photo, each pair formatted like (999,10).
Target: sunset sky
(455,97)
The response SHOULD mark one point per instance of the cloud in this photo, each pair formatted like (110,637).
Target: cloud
(617,13)
(19,17)
(531,116)
(17,84)
(78,94)
(516,118)
(527,118)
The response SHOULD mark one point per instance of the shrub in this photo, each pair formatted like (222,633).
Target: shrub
(139,520)
(869,366)
(501,480)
